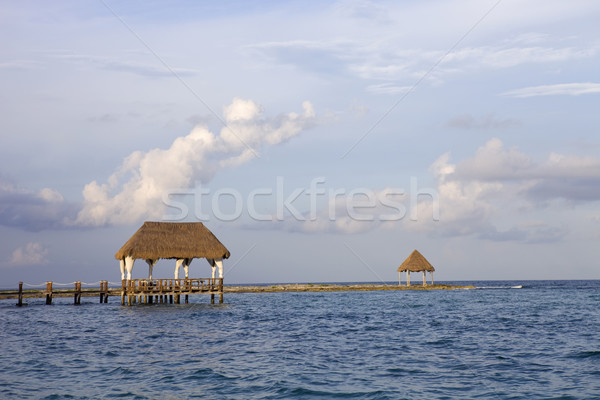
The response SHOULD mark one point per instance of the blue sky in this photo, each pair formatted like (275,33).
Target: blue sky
(465,129)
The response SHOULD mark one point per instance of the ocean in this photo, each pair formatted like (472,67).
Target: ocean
(505,340)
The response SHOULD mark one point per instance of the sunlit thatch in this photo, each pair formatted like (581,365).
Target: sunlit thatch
(415,263)
(173,240)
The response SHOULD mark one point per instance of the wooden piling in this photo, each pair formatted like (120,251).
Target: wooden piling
(48,292)
(133,291)
(103,291)
(220,290)
(20,298)
(77,293)
(123,292)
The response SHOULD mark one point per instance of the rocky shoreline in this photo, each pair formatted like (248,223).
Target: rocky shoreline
(325,287)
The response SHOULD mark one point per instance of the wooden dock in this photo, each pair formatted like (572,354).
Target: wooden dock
(132,291)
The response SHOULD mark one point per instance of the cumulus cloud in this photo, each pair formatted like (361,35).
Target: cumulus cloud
(33,211)
(558,176)
(492,195)
(32,253)
(136,189)
(481,193)
(569,89)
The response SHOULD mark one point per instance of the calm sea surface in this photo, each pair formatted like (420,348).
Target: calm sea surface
(541,341)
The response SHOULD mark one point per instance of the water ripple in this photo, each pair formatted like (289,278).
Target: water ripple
(506,344)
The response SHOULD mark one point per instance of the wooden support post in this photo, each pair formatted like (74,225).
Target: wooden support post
(124,296)
(177,299)
(20,298)
(220,290)
(48,292)
(407,278)
(431,277)
(105,291)
(187,300)
(77,293)
(424,281)
(399,278)
(101,292)
(212,298)
(171,299)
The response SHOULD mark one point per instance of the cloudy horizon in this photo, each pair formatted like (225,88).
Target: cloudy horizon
(324,142)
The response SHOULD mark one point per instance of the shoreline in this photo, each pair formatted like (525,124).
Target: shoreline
(273,288)
(324,287)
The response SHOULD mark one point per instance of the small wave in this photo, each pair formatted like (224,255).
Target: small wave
(500,287)
(587,354)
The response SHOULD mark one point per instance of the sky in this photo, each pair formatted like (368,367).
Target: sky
(319,141)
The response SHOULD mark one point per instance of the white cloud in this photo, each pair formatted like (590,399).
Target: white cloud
(507,57)
(492,196)
(467,121)
(136,190)
(32,211)
(398,65)
(24,65)
(388,88)
(119,65)
(32,253)
(479,194)
(493,162)
(570,89)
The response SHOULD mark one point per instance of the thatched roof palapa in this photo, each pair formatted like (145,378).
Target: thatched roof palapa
(174,240)
(416,263)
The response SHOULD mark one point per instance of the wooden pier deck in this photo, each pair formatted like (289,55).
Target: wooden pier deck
(132,291)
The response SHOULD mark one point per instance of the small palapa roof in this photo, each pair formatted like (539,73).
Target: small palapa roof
(416,263)
(174,240)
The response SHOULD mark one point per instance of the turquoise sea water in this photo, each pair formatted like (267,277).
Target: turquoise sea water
(540,341)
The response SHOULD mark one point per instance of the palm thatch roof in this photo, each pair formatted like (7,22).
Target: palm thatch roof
(175,240)
(416,263)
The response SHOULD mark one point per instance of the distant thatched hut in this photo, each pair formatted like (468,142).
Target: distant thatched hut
(181,241)
(415,263)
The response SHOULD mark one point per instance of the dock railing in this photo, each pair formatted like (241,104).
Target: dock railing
(132,290)
(157,290)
